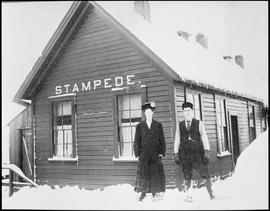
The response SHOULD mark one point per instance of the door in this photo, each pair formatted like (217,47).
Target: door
(27,153)
(235,138)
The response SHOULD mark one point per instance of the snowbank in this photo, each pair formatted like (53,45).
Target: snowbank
(246,189)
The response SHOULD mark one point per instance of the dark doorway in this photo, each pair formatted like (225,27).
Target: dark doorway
(235,138)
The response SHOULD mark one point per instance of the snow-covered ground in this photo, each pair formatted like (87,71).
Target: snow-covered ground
(246,189)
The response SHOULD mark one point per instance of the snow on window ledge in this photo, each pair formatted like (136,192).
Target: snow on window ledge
(63,159)
(223,154)
(125,158)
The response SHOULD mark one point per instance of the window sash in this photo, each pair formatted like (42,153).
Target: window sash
(129,115)
(195,99)
(63,127)
(223,142)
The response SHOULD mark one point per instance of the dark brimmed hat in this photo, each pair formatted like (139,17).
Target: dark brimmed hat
(150,105)
(187,105)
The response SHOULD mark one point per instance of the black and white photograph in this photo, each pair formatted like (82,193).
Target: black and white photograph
(135,105)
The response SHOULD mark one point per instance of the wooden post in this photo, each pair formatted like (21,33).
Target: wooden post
(10,182)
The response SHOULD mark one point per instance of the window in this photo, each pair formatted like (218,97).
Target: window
(223,144)
(252,130)
(129,115)
(63,127)
(195,99)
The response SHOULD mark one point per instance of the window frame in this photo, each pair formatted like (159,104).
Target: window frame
(129,91)
(193,93)
(254,121)
(57,99)
(219,144)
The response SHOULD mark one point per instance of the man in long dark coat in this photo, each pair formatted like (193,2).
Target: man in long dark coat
(191,147)
(149,147)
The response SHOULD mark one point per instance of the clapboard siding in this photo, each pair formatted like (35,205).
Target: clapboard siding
(97,51)
(218,165)
(258,119)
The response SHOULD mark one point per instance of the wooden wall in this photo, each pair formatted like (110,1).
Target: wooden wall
(219,165)
(97,51)
(21,121)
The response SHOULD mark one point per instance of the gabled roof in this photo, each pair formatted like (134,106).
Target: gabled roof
(49,54)
(181,60)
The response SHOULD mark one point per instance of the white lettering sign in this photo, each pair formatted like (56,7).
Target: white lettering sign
(58,90)
(106,83)
(85,88)
(75,88)
(129,79)
(97,83)
(119,81)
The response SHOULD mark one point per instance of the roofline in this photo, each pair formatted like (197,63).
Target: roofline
(59,33)
(21,94)
(146,50)
(18,115)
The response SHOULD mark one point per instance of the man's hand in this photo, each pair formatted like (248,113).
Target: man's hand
(206,157)
(177,159)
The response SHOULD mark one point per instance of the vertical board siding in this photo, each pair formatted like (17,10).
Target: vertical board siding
(97,51)
(21,121)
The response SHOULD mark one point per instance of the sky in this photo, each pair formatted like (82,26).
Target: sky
(246,189)
(231,27)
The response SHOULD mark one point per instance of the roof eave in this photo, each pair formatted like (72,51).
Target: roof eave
(23,92)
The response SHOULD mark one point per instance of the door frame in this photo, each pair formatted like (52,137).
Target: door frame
(237,114)
(30,151)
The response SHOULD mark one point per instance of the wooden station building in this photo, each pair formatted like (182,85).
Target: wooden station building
(86,92)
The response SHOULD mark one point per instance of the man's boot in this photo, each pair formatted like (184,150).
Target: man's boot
(187,184)
(142,196)
(208,185)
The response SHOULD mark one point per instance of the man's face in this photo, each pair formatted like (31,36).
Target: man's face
(148,113)
(188,113)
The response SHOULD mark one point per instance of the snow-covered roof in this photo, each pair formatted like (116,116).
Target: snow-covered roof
(188,59)
(182,60)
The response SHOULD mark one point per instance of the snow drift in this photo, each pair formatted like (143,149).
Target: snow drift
(246,189)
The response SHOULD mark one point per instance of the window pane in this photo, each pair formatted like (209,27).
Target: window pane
(59,121)
(222,139)
(217,106)
(251,122)
(59,109)
(126,134)
(226,144)
(136,113)
(67,120)
(218,119)
(126,142)
(196,101)
(189,98)
(222,105)
(197,114)
(219,133)
(69,150)
(135,101)
(123,102)
(223,119)
(127,149)
(125,114)
(66,108)
(59,143)
(133,131)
